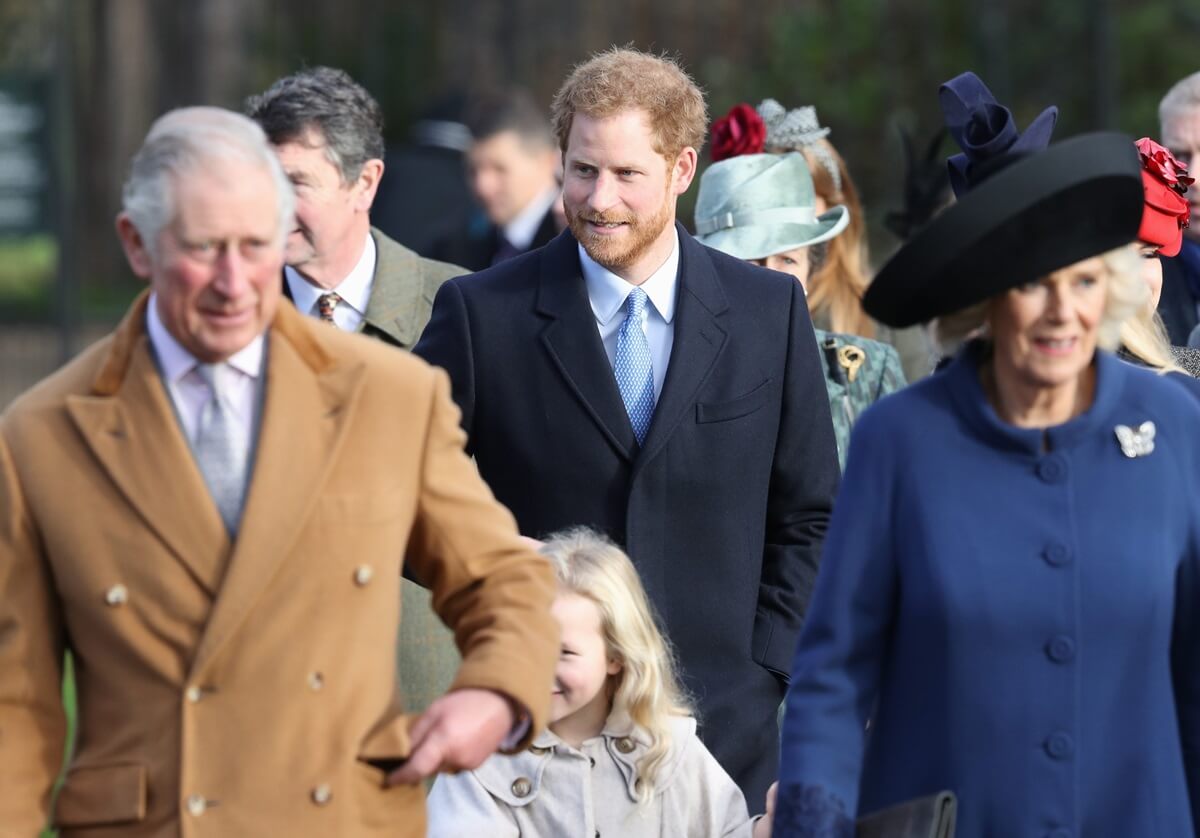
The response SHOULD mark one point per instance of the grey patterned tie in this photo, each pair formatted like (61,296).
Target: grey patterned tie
(222,459)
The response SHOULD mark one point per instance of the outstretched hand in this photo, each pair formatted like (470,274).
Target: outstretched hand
(457,733)
(763,826)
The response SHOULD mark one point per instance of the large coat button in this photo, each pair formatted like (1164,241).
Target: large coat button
(196,805)
(116,595)
(322,794)
(1057,554)
(1061,649)
(363,574)
(1052,469)
(521,787)
(625,745)
(1060,746)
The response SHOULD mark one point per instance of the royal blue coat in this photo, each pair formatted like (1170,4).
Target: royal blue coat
(1016,613)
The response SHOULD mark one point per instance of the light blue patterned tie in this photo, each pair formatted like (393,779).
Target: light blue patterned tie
(222,460)
(632,366)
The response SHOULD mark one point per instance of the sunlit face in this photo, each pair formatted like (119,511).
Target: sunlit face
(1151,271)
(507,173)
(1181,135)
(329,213)
(581,677)
(216,269)
(1044,332)
(618,192)
(795,262)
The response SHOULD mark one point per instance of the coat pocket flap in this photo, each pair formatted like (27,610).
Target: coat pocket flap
(743,405)
(387,746)
(101,795)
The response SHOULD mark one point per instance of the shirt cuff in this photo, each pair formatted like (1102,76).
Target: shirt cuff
(520,728)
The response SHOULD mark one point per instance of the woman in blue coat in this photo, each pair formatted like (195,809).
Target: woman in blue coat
(1008,599)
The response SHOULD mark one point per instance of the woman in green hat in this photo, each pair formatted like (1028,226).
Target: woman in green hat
(762,208)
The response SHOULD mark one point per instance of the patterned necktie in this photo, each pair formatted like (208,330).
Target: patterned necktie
(326,303)
(222,459)
(632,366)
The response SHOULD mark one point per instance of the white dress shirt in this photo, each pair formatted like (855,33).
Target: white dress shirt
(522,229)
(189,393)
(607,293)
(355,291)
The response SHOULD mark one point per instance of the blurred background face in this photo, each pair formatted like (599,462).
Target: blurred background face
(216,270)
(507,173)
(795,262)
(1044,332)
(1181,136)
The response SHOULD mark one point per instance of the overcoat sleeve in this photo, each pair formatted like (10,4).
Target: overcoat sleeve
(32,723)
(804,480)
(492,590)
(835,675)
(446,343)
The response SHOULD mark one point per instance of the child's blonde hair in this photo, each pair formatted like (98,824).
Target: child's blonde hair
(647,688)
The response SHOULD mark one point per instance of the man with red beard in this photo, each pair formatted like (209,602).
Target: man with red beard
(627,378)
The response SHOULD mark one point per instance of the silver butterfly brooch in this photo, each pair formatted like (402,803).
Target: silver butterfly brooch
(1136,443)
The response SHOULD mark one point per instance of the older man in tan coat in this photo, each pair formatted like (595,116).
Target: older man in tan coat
(210,508)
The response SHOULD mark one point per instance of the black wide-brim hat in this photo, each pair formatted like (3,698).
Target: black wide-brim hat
(1043,211)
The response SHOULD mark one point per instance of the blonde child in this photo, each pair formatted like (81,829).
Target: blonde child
(621,757)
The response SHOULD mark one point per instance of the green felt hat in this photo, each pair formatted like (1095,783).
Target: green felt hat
(759,205)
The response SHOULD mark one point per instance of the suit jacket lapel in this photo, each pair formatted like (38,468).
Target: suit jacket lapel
(131,428)
(699,340)
(309,403)
(395,292)
(574,345)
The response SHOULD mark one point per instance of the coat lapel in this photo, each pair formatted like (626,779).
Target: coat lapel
(309,403)
(128,423)
(699,340)
(395,292)
(573,343)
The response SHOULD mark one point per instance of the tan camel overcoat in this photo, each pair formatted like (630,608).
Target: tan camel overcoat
(239,689)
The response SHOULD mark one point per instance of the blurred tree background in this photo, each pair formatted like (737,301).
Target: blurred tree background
(101,70)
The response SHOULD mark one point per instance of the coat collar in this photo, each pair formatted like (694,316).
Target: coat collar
(574,345)
(395,304)
(129,424)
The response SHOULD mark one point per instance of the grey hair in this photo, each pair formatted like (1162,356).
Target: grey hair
(1183,95)
(1125,295)
(182,141)
(325,102)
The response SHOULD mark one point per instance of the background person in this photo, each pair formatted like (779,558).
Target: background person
(328,132)
(1016,542)
(761,207)
(1179,123)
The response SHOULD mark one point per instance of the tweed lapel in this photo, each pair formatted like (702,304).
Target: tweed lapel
(309,403)
(128,423)
(574,344)
(395,292)
(699,340)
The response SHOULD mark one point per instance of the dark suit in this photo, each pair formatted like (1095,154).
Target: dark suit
(724,509)
(475,247)
(1177,305)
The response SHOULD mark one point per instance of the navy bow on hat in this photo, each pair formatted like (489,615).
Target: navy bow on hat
(984,129)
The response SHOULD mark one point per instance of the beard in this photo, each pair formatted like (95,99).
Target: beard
(620,251)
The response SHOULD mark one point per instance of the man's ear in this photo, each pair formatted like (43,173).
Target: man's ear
(684,170)
(136,252)
(368,184)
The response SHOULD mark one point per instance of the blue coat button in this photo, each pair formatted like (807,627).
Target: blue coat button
(1057,554)
(1061,649)
(1060,746)
(1052,469)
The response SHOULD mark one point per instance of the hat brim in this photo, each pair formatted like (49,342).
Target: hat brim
(1076,199)
(758,241)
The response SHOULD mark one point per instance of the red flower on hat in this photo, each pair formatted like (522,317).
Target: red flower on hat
(1163,165)
(741,131)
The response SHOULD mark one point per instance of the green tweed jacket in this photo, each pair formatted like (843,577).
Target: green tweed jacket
(401,300)
(858,372)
